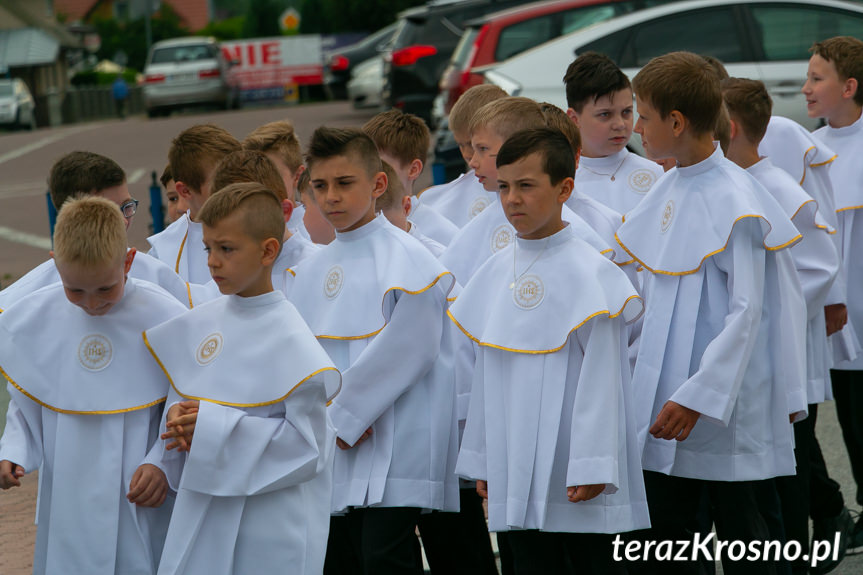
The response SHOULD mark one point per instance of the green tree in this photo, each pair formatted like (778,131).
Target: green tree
(262,18)
(131,37)
(227,29)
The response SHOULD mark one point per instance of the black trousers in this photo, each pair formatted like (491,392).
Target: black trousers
(458,543)
(848,391)
(547,553)
(674,504)
(374,541)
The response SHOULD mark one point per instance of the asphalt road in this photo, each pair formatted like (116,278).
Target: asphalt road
(140,146)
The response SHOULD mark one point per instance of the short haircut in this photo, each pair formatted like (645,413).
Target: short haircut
(717,66)
(277,137)
(327,143)
(558,158)
(722,130)
(507,116)
(681,81)
(749,104)
(592,75)
(846,54)
(392,196)
(405,137)
(166,176)
(249,166)
(472,100)
(79,173)
(304,184)
(260,207)
(197,150)
(90,232)
(557,119)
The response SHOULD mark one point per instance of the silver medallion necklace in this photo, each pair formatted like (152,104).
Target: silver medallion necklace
(515,278)
(612,174)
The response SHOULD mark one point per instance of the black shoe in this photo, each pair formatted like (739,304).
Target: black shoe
(826,530)
(855,544)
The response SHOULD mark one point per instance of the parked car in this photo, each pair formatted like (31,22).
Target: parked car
(367,83)
(186,72)
(339,65)
(421,49)
(501,35)
(17,107)
(768,40)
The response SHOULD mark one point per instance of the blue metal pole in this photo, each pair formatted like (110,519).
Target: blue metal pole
(52,216)
(157,211)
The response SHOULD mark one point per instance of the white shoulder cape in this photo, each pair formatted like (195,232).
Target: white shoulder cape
(690,213)
(791,197)
(845,171)
(334,288)
(460,200)
(568,283)
(101,350)
(169,244)
(490,232)
(241,352)
(793,148)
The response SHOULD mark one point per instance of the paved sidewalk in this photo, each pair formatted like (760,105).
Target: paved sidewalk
(17,530)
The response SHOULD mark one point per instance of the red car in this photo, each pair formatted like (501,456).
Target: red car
(501,35)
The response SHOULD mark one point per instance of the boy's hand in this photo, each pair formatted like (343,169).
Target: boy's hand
(344,444)
(836,315)
(584,492)
(674,422)
(482,488)
(180,426)
(148,487)
(10,473)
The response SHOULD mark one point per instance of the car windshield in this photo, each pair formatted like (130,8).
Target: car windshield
(6,90)
(188,53)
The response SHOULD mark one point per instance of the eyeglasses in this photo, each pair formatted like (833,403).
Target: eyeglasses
(129,207)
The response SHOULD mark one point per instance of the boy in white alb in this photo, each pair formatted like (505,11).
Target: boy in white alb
(85,173)
(193,157)
(490,231)
(252,166)
(833,92)
(465,197)
(376,299)
(599,97)
(86,402)
(395,205)
(817,262)
(538,395)
(279,142)
(403,142)
(250,386)
(320,230)
(726,318)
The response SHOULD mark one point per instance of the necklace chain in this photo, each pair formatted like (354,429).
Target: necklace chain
(612,174)
(515,278)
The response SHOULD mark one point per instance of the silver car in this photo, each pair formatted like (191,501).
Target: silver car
(17,107)
(765,40)
(185,72)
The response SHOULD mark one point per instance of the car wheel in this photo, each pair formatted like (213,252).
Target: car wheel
(32,124)
(153,112)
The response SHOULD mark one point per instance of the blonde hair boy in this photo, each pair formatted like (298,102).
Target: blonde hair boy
(90,232)
(464,109)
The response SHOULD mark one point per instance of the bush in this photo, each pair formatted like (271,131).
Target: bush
(94,78)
